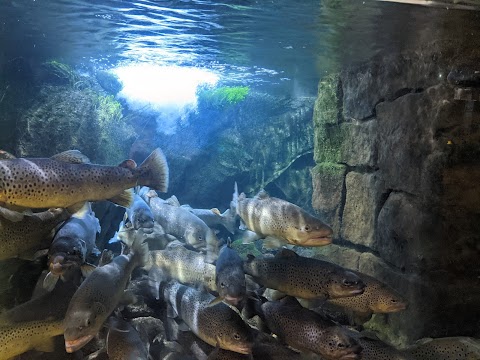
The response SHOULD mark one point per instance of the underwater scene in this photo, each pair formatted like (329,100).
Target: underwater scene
(246,179)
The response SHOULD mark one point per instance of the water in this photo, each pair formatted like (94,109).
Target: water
(363,113)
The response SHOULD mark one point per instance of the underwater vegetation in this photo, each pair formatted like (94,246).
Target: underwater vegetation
(223,96)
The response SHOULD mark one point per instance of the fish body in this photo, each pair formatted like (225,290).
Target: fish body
(376,298)
(273,217)
(99,295)
(305,330)
(72,244)
(378,350)
(140,216)
(59,182)
(34,232)
(213,217)
(124,342)
(181,223)
(183,265)
(17,338)
(448,348)
(217,325)
(230,277)
(303,277)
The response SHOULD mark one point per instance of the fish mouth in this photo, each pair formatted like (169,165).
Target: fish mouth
(319,241)
(233,300)
(242,349)
(396,307)
(147,230)
(74,345)
(350,356)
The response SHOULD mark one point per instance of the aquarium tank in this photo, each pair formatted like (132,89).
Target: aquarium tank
(243,179)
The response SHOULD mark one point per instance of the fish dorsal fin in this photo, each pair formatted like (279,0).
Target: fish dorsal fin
(72,156)
(173,201)
(286,253)
(4,155)
(262,194)
(215,211)
(128,164)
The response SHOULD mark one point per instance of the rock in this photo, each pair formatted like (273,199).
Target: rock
(360,145)
(109,82)
(338,254)
(465,75)
(362,204)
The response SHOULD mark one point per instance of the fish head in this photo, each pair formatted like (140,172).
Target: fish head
(231,286)
(143,219)
(238,339)
(195,236)
(334,343)
(387,300)
(345,283)
(82,322)
(66,252)
(309,231)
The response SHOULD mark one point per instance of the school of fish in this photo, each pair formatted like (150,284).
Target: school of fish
(179,270)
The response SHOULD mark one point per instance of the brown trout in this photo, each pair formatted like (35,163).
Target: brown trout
(99,295)
(449,348)
(378,350)
(17,338)
(278,219)
(303,277)
(186,266)
(66,180)
(305,330)
(124,342)
(34,232)
(376,298)
(217,325)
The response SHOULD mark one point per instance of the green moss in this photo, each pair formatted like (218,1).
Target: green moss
(60,73)
(223,96)
(329,169)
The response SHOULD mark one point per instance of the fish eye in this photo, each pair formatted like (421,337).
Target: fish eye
(349,282)
(222,285)
(236,336)
(393,300)
(306,228)
(341,345)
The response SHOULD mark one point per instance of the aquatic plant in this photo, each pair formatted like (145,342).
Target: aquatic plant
(58,72)
(223,96)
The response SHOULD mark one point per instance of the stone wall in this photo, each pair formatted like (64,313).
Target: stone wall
(397,149)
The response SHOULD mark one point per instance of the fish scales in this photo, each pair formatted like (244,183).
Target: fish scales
(52,183)
(30,234)
(303,277)
(15,339)
(216,325)
(124,342)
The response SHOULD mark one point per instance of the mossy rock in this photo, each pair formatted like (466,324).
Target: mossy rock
(222,96)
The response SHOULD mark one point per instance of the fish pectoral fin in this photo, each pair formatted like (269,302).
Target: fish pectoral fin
(125,198)
(76,208)
(171,313)
(83,211)
(183,327)
(95,354)
(173,201)
(277,295)
(216,211)
(12,214)
(271,242)
(50,281)
(47,345)
(87,269)
(215,301)
(72,157)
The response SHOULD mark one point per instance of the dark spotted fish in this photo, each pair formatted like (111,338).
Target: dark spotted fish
(99,295)
(65,180)
(124,342)
(213,217)
(279,219)
(303,277)
(73,243)
(378,350)
(449,348)
(34,232)
(17,338)
(307,331)
(217,325)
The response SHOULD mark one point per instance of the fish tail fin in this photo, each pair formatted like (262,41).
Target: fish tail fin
(234,202)
(156,281)
(141,255)
(229,220)
(153,172)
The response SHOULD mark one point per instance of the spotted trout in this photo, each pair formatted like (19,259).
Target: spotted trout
(280,221)
(34,232)
(68,180)
(124,342)
(99,295)
(303,277)
(449,348)
(217,325)
(17,338)
(186,266)
(305,330)
(73,243)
